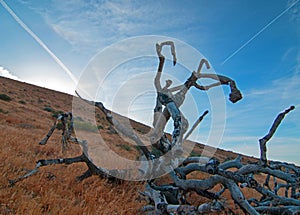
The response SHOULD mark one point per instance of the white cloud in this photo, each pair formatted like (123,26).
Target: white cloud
(7,74)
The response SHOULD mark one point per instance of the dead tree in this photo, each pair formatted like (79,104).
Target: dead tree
(67,138)
(164,198)
(171,198)
(232,175)
(67,121)
(161,117)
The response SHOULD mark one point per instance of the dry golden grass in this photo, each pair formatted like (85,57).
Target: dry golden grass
(54,189)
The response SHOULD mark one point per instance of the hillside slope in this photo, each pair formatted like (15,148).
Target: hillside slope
(26,115)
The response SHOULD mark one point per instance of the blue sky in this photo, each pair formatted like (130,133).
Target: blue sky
(257,43)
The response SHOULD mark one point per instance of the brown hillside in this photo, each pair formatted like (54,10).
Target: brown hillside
(25,120)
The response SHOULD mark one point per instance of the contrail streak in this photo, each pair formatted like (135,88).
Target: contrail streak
(39,41)
(258,33)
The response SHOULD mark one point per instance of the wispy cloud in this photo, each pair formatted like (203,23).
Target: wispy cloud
(90,25)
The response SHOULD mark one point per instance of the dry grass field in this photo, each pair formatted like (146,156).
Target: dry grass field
(26,115)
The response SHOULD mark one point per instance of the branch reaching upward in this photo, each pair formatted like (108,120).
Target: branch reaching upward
(263,141)
(120,127)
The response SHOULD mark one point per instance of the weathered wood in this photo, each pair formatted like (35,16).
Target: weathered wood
(179,98)
(263,141)
(285,210)
(67,128)
(195,125)
(210,207)
(67,122)
(171,198)
(211,182)
(120,127)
